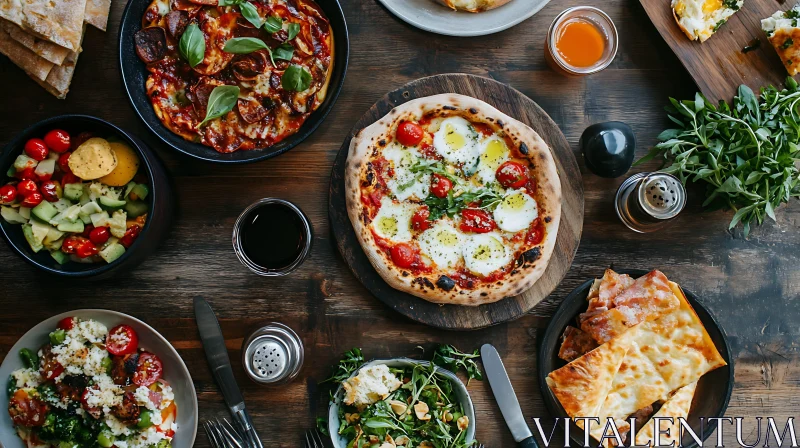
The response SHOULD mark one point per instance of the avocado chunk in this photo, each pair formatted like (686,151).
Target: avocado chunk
(111,252)
(45,211)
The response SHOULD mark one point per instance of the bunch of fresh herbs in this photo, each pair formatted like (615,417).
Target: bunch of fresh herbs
(745,152)
(351,361)
(454,360)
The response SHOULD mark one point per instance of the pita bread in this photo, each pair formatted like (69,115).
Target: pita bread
(60,77)
(42,48)
(582,385)
(96,13)
(676,407)
(60,22)
(36,67)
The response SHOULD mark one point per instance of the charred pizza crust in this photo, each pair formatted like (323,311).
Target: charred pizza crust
(527,267)
(473,5)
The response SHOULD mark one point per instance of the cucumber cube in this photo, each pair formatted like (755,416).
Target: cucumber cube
(11,171)
(87,219)
(128,189)
(135,208)
(108,203)
(140,191)
(40,231)
(25,212)
(90,208)
(73,192)
(12,216)
(45,211)
(27,231)
(53,245)
(75,226)
(62,204)
(60,257)
(100,219)
(52,236)
(45,168)
(23,162)
(111,252)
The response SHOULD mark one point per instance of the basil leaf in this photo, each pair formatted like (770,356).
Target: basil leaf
(193,45)
(273,24)
(229,2)
(284,52)
(220,102)
(250,13)
(294,30)
(244,45)
(296,78)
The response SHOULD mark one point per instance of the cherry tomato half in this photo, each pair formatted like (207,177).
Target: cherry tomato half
(32,200)
(95,411)
(36,149)
(420,220)
(8,193)
(66,324)
(99,235)
(50,367)
(27,187)
(440,186)
(130,236)
(476,221)
(148,370)
(51,191)
(72,243)
(26,410)
(122,340)
(27,173)
(535,233)
(404,255)
(409,133)
(512,175)
(57,140)
(63,162)
(86,250)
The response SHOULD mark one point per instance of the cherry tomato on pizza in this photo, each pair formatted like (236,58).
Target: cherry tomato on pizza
(476,221)
(404,255)
(512,175)
(409,133)
(420,220)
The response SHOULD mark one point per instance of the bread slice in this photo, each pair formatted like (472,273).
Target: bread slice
(676,407)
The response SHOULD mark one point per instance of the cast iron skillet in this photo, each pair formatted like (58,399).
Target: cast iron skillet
(160,199)
(713,390)
(134,75)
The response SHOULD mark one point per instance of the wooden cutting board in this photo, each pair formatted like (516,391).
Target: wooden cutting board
(719,65)
(517,105)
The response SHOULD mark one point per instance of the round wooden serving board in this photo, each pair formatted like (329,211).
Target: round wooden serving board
(516,105)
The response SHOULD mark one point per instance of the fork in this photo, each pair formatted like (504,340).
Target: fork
(221,434)
(313,440)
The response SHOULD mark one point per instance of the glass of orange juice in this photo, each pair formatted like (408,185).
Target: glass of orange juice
(582,40)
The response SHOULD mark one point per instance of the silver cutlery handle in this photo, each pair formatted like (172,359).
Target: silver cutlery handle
(242,419)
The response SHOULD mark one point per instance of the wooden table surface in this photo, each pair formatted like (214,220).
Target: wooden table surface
(752,285)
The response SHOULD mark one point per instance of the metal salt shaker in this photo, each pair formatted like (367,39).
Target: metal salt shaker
(646,202)
(273,354)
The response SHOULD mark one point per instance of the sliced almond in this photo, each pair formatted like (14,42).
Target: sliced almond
(421,410)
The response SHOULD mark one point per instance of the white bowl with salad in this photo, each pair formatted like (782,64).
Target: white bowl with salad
(96,378)
(401,402)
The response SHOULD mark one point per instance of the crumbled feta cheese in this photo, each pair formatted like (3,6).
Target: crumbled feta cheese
(104,394)
(167,396)
(372,384)
(26,378)
(146,438)
(117,427)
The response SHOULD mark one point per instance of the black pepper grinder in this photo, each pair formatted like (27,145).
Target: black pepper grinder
(608,148)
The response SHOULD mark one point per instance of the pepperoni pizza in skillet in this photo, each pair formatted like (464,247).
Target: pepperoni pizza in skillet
(235,74)
(454,201)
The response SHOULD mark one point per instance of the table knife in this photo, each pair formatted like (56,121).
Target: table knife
(505,396)
(217,356)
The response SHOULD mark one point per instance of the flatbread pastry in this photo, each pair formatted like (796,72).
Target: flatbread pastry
(60,22)
(676,407)
(46,50)
(783,33)
(453,201)
(473,5)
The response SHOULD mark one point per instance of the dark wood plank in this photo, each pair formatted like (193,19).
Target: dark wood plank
(752,285)
(517,105)
(719,65)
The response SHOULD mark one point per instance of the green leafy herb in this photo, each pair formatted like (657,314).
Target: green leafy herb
(230,2)
(731,4)
(747,152)
(787,43)
(296,79)
(220,102)
(719,24)
(192,45)
(250,13)
(349,363)
(792,14)
(284,52)
(273,24)
(452,359)
(452,204)
(294,30)
(244,45)
(322,426)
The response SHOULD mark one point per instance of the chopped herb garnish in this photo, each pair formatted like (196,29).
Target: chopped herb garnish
(787,43)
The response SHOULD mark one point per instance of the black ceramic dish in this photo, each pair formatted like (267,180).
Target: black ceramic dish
(160,199)
(134,75)
(713,390)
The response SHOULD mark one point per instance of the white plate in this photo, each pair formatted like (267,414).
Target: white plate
(433,17)
(459,389)
(175,371)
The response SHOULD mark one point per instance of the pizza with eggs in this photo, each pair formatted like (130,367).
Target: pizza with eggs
(235,74)
(700,19)
(454,201)
(473,5)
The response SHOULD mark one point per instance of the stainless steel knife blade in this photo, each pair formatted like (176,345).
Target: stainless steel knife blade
(504,393)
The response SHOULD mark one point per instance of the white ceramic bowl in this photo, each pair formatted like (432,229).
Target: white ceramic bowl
(175,371)
(458,387)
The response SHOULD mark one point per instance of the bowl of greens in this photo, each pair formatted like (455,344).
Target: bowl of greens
(401,401)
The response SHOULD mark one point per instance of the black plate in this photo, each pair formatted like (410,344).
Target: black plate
(713,390)
(160,199)
(134,75)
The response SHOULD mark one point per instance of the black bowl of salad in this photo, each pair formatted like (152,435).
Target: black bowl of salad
(80,197)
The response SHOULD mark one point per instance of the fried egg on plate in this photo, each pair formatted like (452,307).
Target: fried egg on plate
(515,212)
(699,19)
(442,244)
(406,183)
(457,141)
(485,253)
(494,152)
(393,221)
